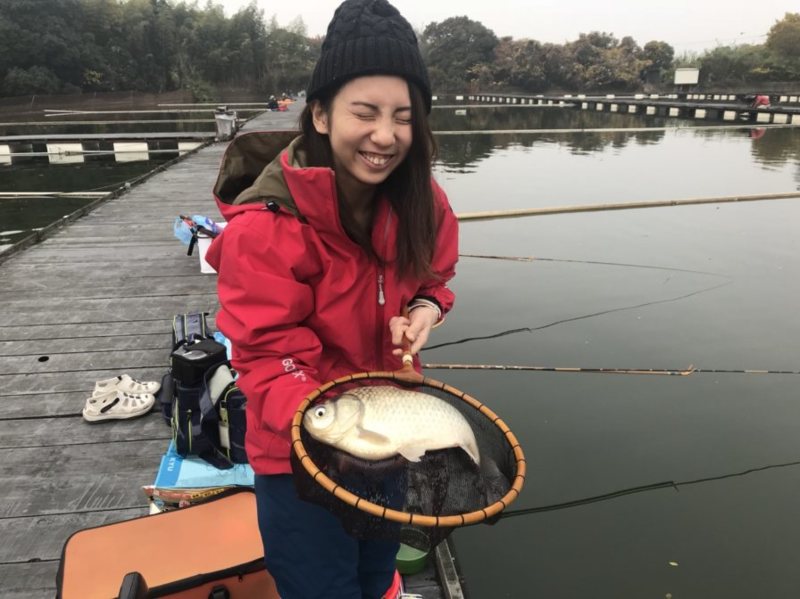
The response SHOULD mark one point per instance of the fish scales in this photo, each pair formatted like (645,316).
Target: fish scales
(377,422)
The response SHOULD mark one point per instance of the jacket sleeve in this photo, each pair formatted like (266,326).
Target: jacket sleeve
(263,263)
(445,254)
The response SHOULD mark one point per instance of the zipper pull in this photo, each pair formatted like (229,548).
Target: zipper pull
(381,297)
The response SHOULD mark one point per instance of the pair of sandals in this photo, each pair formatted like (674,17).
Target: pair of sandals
(120,398)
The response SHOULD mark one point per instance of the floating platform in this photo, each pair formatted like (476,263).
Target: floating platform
(107,147)
(724,107)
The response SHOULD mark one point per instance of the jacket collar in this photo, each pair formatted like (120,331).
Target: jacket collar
(263,167)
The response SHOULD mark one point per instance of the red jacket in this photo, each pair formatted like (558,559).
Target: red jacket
(301,303)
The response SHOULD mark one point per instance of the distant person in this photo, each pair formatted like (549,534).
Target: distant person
(760,101)
(272,103)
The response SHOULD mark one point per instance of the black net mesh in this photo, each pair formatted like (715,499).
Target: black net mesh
(444,482)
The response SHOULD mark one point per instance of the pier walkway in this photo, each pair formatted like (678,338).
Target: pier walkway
(94,300)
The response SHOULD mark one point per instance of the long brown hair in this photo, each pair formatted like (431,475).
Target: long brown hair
(408,189)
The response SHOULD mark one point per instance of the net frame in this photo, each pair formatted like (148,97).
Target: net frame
(407,376)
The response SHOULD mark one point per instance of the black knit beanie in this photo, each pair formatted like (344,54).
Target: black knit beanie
(368,37)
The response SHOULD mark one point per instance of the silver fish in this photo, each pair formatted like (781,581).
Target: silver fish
(377,422)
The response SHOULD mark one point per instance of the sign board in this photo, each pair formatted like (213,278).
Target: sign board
(687,76)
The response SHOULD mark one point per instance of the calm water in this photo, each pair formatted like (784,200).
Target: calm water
(589,434)
(715,286)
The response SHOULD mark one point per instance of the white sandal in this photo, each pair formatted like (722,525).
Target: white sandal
(117,405)
(126,384)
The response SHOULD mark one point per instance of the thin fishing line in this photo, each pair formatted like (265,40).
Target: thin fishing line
(640,489)
(596,262)
(574,318)
(573,369)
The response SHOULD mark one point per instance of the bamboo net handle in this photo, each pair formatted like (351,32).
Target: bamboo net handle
(492,214)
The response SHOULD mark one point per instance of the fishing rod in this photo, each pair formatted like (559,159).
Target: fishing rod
(640,489)
(494,214)
(595,262)
(691,369)
(115,122)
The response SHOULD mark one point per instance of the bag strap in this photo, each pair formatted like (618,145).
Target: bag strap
(213,388)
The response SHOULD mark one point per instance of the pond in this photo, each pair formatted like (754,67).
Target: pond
(713,286)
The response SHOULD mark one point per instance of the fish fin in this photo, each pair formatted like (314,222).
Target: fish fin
(413,453)
(372,437)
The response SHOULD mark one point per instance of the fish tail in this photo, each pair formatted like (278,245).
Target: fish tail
(471,447)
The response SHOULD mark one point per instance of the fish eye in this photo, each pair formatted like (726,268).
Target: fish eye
(319,411)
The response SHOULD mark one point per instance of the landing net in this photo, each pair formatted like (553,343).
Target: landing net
(417,503)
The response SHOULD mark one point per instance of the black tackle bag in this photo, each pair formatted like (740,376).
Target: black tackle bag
(199,397)
(210,421)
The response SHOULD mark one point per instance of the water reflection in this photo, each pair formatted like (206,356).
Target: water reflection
(770,148)
(462,153)
(536,117)
(773,148)
(774,145)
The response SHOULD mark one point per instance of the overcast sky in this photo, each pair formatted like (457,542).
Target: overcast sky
(688,25)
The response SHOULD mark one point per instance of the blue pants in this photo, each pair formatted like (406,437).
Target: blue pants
(308,552)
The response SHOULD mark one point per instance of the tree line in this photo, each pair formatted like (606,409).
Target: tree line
(71,46)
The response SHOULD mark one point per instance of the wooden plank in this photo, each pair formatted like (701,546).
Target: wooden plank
(110,309)
(32,580)
(98,286)
(43,538)
(77,381)
(178,264)
(181,266)
(82,330)
(76,431)
(57,479)
(83,361)
(40,405)
(39,347)
(66,256)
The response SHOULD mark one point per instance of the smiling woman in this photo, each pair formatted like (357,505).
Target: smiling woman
(356,233)
(370,138)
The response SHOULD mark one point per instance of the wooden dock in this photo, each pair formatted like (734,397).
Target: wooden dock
(96,299)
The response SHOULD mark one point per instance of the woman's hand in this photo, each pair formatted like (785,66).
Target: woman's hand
(416,328)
